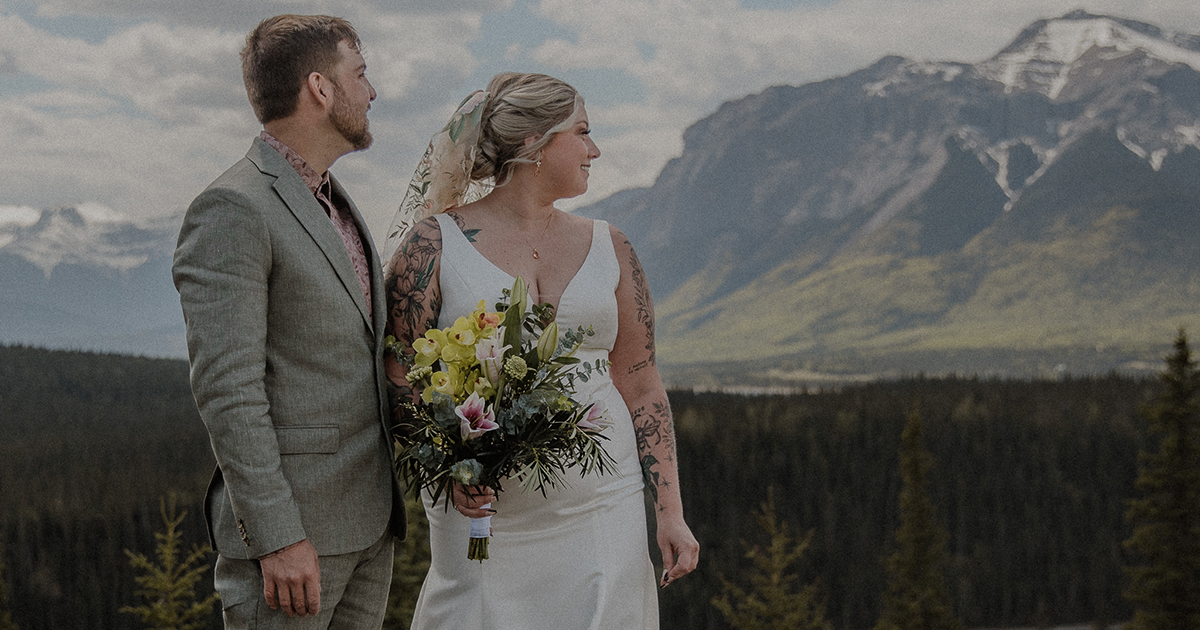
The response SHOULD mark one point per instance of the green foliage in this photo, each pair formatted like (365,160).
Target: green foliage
(88,444)
(916,597)
(6,622)
(1165,589)
(771,601)
(408,573)
(1032,481)
(169,585)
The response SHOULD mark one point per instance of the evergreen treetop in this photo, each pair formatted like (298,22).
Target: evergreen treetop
(917,598)
(169,585)
(1165,588)
(6,622)
(772,602)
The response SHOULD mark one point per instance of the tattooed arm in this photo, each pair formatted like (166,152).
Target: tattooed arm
(414,301)
(635,374)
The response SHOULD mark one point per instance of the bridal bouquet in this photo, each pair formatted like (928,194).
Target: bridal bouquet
(496,407)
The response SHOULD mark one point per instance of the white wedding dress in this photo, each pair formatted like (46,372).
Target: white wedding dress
(578,558)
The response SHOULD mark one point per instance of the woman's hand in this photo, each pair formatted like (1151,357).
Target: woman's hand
(468,500)
(680,551)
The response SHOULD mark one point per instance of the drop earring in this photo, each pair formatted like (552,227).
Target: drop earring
(539,165)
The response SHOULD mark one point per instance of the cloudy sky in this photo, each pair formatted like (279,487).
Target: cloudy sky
(133,106)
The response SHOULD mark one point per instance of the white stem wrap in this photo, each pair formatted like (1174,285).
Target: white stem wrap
(482,527)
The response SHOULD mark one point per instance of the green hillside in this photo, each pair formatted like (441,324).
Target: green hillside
(1093,284)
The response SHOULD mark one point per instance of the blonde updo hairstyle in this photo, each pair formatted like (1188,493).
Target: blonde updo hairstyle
(520,106)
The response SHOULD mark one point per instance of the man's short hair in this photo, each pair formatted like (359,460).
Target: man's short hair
(282,51)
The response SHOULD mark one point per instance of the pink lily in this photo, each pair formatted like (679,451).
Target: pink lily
(491,356)
(477,417)
(596,419)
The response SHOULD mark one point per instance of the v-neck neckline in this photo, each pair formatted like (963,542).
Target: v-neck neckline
(570,283)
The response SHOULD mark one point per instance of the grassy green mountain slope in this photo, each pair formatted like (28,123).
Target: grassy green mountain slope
(1095,280)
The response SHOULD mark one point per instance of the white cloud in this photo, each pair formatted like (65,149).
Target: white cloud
(144,118)
(136,165)
(143,110)
(239,14)
(409,53)
(173,74)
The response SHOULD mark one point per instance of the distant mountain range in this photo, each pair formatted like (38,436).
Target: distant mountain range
(1033,213)
(86,278)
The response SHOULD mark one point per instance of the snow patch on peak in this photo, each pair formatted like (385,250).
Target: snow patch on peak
(949,72)
(1190,135)
(1157,157)
(1048,56)
(93,212)
(89,234)
(1123,136)
(18,216)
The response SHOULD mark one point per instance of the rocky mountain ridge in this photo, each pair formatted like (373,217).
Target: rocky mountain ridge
(889,220)
(86,277)
(1030,214)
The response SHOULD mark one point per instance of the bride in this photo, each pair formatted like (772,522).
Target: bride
(579,557)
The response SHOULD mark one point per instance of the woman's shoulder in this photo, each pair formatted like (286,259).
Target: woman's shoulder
(579,222)
(424,236)
(620,241)
(427,228)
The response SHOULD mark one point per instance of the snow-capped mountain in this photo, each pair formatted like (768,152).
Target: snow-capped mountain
(89,234)
(937,215)
(86,277)
(1037,209)
(1045,55)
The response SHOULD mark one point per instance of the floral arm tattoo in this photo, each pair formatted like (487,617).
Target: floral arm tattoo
(413,299)
(645,309)
(656,446)
(638,380)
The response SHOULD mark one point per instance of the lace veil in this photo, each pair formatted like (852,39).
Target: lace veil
(443,177)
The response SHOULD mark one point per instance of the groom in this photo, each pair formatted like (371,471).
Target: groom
(283,298)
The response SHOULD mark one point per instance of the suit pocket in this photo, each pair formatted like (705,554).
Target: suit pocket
(310,439)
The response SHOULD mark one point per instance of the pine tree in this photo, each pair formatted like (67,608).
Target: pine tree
(772,603)
(917,598)
(169,586)
(1165,589)
(6,622)
(408,573)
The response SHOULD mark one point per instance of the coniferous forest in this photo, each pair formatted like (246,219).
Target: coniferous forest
(1030,480)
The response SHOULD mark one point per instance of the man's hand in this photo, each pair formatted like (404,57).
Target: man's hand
(292,579)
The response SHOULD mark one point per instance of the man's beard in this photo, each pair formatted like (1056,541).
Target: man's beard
(353,127)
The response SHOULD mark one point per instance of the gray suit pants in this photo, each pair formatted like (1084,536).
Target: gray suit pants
(354,592)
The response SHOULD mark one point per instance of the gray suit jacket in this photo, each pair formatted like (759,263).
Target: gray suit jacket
(286,366)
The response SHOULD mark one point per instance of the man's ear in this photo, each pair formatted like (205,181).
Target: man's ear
(318,88)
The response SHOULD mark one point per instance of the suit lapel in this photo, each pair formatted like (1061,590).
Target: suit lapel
(378,306)
(309,213)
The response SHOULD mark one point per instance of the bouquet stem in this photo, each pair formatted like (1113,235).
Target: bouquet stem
(481,531)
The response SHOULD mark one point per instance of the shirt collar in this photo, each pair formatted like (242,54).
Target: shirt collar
(315,181)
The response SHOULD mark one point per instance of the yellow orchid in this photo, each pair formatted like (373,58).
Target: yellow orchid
(450,382)
(439,381)
(429,347)
(460,341)
(486,322)
(482,386)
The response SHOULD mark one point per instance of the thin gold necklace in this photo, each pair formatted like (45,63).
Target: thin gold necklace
(537,256)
